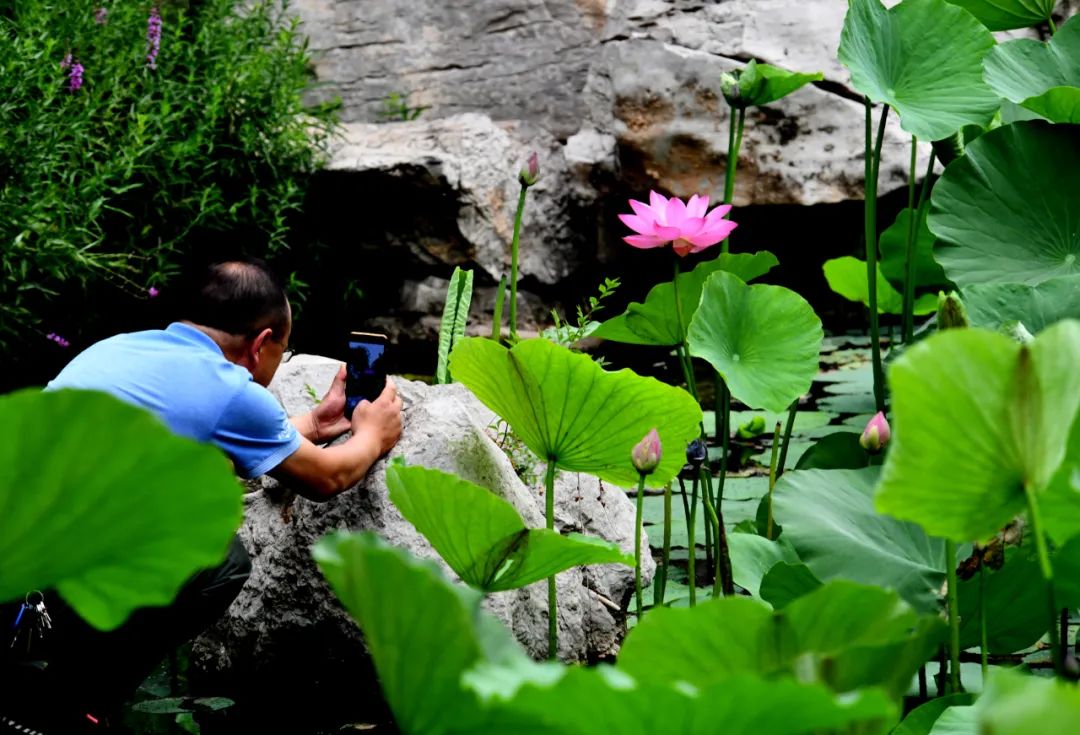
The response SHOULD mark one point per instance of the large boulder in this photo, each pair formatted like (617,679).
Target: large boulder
(286,620)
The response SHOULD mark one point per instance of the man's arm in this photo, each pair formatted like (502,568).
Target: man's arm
(326,421)
(327,471)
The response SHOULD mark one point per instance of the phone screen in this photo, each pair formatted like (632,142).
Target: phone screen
(366,376)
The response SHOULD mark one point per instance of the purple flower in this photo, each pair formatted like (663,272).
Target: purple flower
(153,37)
(66,63)
(101,16)
(152,292)
(54,337)
(76,77)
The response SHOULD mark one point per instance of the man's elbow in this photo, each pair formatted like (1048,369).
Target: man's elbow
(324,487)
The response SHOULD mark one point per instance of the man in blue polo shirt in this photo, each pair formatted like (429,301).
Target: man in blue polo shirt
(205,377)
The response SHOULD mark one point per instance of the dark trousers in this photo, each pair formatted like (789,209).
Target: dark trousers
(88,670)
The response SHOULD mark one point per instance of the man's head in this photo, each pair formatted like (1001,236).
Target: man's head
(242,305)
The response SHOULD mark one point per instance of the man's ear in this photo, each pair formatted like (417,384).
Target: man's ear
(257,344)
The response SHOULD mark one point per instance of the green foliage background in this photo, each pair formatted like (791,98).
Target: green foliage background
(115,185)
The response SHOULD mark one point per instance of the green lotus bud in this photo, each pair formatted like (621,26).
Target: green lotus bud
(951,313)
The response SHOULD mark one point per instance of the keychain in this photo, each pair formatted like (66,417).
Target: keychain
(31,621)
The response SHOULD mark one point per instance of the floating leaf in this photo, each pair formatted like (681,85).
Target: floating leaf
(843,635)
(847,277)
(920,721)
(997,305)
(482,537)
(1043,77)
(837,451)
(654,322)
(114,560)
(976,418)
(924,59)
(829,517)
(752,557)
(981,210)
(763,340)
(787,582)
(568,409)
(1015,605)
(1004,15)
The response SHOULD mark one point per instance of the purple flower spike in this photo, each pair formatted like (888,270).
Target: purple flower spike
(54,337)
(101,16)
(76,77)
(153,37)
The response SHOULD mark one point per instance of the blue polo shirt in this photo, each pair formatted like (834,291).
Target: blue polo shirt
(181,375)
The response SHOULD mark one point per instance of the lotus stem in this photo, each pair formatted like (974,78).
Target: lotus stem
(553,609)
(1053,26)
(984,651)
(691,544)
(710,557)
(916,210)
(873,158)
(660,588)
(637,543)
(723,556)
(924,690)
(792,410)
(772,479)
(1047,573)
(953,599)
(1064,633)
(514,260)
(496,317)
(735,134)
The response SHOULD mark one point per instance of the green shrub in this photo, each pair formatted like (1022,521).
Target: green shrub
(114,183)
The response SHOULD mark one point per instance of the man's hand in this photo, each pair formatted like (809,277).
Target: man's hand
(379,421)
(328,418)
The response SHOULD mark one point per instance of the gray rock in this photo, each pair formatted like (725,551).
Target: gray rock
(286,617)
(472,163)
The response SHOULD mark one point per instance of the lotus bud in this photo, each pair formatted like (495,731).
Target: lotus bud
(530,172)
(646,455)
(951,313)
(729,86)
(696,453)
(876,434)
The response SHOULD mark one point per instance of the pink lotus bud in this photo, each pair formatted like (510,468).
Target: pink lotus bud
(531,171)
(876,434)
(646,455)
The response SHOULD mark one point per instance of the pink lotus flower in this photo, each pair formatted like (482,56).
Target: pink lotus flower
(646,453)
(685,225)
(876,434)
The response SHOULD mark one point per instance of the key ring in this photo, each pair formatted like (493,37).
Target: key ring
(31,593)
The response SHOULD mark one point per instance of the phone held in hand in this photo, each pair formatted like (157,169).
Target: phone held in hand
(366,365)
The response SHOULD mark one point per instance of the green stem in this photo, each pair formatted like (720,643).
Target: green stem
(553,610)
(691,543)
(496,317)
(514,261)
(1053,26)
(1047,573)
(717,525)
(723,556)
(983,649)
(772,478)
(735,134)
(792,410)
(637,543)
(909,262)
(955,686)
(909,277)
(662,575)
(873,158)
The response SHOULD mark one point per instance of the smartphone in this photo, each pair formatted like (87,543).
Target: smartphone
(366,366)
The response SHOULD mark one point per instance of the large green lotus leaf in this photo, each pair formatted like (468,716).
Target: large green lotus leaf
(843,635)
(787,582)
(956,720)
(655,323)
(1004,15)
(976,417)
(568,409)
(847,276)
(1024,71)
(982,208)
(102,502)
(482,537)
(1060,503)
(1057,104)
(586,701)
(997,305)
(1019,704)
(752,556)
(1015,604)
(892,246)
(829,517)
(764,340)
(1067,574)
(920,721)
(837,451)
(423,633)
(922,58)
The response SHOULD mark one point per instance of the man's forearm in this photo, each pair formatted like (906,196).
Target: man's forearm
(307,426)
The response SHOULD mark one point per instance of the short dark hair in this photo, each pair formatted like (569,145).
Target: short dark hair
(240,297)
